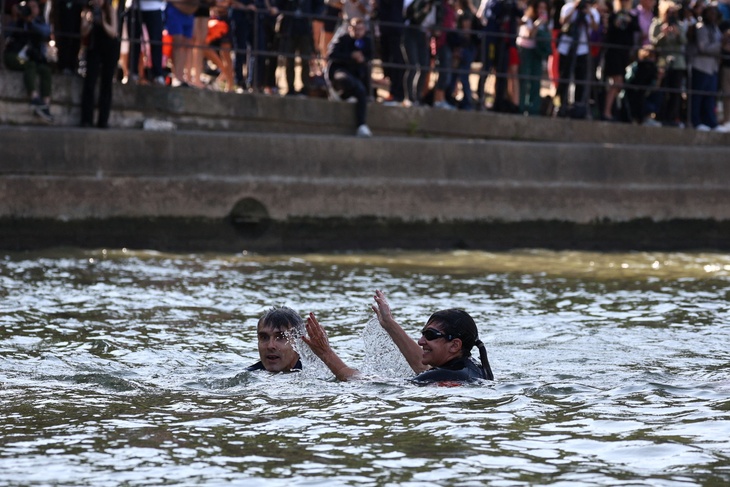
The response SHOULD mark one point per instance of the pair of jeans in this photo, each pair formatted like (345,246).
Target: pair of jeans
(702,111)
(530,79)
(416,55)
(101,64)
(347,85)
(444,55)
(35,75)
(392,57)
(467,56)
(291,45)
(575,67)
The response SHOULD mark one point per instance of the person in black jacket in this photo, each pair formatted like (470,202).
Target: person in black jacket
(349,70)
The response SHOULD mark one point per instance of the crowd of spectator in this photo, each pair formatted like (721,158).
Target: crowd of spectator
(641,61)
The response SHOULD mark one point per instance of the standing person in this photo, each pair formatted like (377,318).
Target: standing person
(390,16)
(705,66)
(534,45)
(199,44)
(179,22)
(441,356)
(501,19)
(645,14)
(420,16)
(577,19)
(259,75)
(240,19)
(66,20)
(669,36)
(276,331)
(349,70)
(445,40)
(271,59)
(297,39)
(553,64)
(725,76)
(99,26)
(150,14)
(25,51)
(464,55)
(622,36)
(219,44)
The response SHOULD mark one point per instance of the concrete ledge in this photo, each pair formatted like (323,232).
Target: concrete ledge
(193,109)
(82,173)
(269,173)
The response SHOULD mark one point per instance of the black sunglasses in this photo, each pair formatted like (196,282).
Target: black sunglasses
(430,334)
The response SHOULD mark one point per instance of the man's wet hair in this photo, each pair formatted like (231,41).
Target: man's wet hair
(282,318)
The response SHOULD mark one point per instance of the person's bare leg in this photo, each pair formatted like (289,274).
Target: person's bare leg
(180,50)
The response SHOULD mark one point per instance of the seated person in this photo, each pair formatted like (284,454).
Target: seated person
(442,354)
(26,51)
(349,70)
(276,330)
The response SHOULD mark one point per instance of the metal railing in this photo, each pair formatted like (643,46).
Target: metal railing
(481,69)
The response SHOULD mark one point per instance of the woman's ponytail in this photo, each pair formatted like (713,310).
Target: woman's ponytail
(485,361)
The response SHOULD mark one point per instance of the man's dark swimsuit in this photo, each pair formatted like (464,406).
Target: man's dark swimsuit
(259,366)
(458,370)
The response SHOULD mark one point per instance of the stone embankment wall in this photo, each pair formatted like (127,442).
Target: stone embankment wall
(263,173)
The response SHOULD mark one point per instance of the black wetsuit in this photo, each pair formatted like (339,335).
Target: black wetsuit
(259,366)
(458,370)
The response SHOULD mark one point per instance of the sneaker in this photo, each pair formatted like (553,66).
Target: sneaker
(44,113)
(703,128)
(650,122)
(160,81)
(723,128)
(364,131)
(444,105)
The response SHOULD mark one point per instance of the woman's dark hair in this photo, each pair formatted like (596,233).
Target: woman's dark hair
(459,324)
(282,318)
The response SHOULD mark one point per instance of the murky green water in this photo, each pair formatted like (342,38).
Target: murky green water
(125,368)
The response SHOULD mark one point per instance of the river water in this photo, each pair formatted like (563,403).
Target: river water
(127,368)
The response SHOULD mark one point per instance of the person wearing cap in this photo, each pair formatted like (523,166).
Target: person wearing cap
(276,331)
(441,356)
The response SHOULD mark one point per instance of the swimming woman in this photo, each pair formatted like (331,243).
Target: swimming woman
(441,355)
